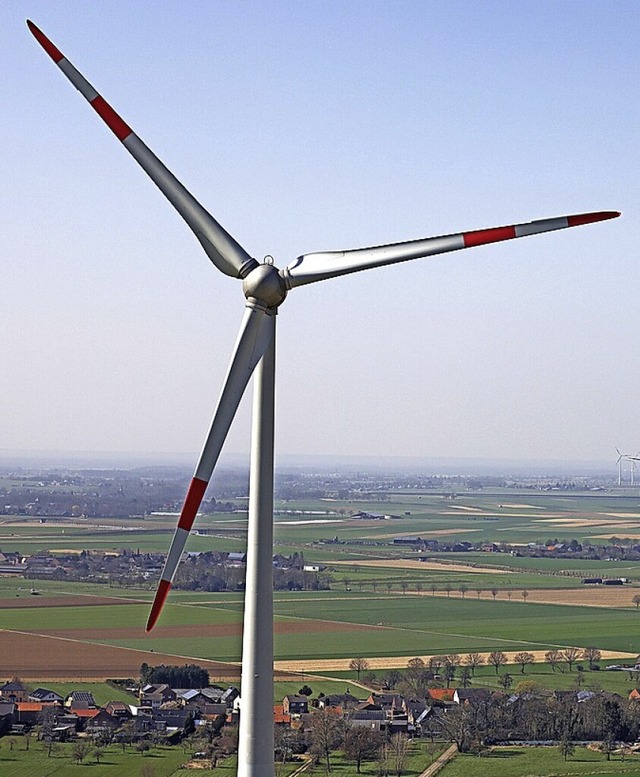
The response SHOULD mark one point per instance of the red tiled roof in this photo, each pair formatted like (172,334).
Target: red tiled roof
(85,713)
(279,715)
(441,694)
(29,706)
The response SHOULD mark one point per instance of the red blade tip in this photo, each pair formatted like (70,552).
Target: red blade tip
(55,53)
(164,587)
(589,218)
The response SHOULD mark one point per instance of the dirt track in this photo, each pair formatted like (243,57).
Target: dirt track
(587,596)
(406,563)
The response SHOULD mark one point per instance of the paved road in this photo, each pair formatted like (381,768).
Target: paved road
(440,762)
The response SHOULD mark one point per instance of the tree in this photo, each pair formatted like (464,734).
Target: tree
(473,661)
(433,588)
(571,655)
(98,752)
(567,748)
(506,680)
(397,752)
(479,592)
(391,679)
(523,658)
(306,690)
(80,750)
(494,593)
(592,655)
(465,677)
(448,588)
(463,589)
(416,677)
(358,665)
(636,600)
(361,744)
(404,585)
(326,734)
(553,658)
(525,595)
(497,659)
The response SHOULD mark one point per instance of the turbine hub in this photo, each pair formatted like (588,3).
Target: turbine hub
(265,285)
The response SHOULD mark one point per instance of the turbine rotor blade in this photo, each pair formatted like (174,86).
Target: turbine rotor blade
(223,250)
(253,340)
(319,266)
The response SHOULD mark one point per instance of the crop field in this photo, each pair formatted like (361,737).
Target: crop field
(383,602)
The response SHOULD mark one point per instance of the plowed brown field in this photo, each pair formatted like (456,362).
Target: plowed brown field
(36,657)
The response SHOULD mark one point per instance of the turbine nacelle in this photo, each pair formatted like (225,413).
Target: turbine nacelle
(265,286)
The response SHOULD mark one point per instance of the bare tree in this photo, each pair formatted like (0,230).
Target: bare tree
(523,658)
(80,750)
(398,750)
(553,658)
(361,744)
(326,734)
(448,588)
(571,655)
(636,600)
(493,592)
(592,655)
(473,661)
(404,585)
(479,592)
(525,595)
(463,589)
(497,659)
(358,665)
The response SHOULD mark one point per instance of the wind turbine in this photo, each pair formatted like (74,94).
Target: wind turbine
(265,289)
(619,463)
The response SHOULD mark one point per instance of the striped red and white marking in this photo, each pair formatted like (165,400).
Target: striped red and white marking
(115,122)
(194,497)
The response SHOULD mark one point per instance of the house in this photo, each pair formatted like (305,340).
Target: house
(471,696)
(28,712)
(368,716)
(118,709)
(171,720)
(280,718)
(155,695)
(295,704)
(7,716)
(441,694)
(80,700)
(102,723)
(14,690)
(230,696)
(346,701)
(45,696)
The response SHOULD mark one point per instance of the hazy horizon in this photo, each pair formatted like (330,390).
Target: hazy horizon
(316,126)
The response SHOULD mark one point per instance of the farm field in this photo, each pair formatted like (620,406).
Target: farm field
(383,604)
(541,762)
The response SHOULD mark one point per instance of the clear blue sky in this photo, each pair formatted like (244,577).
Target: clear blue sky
(325,125)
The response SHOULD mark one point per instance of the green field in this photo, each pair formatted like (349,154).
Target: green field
(540,762)
(18,762)
(371,611)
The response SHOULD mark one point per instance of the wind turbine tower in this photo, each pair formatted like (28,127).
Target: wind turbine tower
(265,289)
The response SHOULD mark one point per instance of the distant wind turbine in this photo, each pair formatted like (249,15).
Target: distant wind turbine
(265,289)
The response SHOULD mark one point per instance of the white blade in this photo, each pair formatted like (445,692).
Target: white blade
(319,266)
(227,255)
(253,340)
